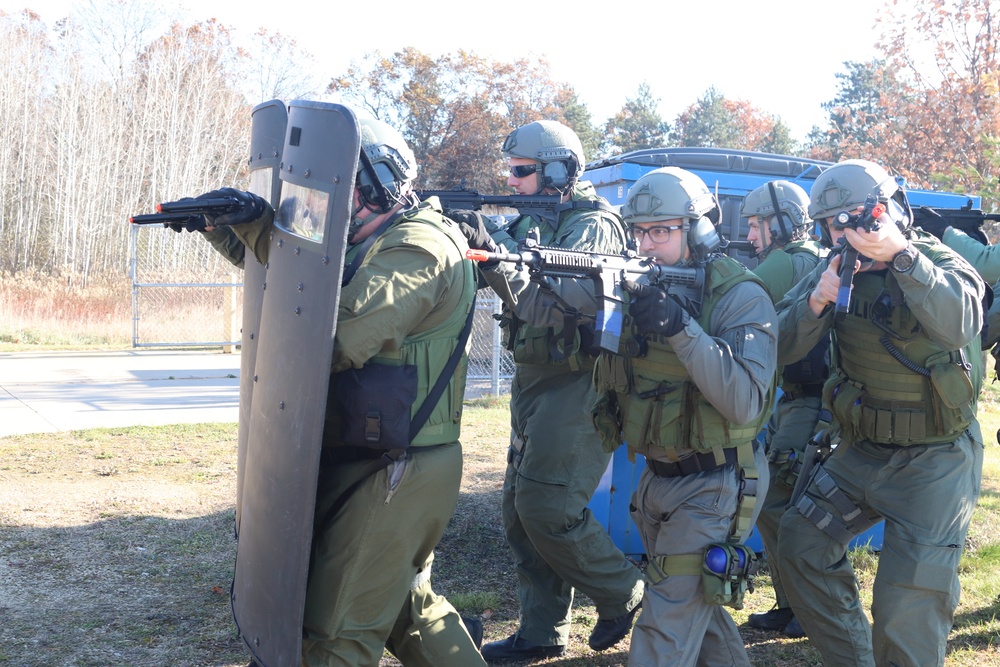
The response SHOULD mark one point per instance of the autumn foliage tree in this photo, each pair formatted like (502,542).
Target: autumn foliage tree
(456,109)
(945,54)
(716,121)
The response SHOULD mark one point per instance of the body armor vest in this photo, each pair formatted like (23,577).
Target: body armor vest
(891,383)
(655,406)
(430,349)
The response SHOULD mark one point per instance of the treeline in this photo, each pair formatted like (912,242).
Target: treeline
(120,106)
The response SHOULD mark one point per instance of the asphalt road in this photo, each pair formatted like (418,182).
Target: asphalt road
(66,391)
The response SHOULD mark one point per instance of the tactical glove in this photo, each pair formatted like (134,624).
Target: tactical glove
(472,224)
(653,311)
(473,227)
(246,207)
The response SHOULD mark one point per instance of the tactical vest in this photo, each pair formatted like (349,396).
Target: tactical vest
(571,345)
(650,402)
(909,392)
(429,350)
(806,376)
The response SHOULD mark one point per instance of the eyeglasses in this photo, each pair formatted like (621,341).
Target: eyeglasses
(523,170)
(656,234)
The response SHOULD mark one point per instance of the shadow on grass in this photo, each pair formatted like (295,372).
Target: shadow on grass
(138,590)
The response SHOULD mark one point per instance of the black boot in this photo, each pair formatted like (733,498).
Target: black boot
(774,620)
(608,632)
(515,649)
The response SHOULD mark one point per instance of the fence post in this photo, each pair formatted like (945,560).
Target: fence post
(497,351)
(229,326)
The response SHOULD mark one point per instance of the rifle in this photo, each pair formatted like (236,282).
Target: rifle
(539,207)
(184,210)
(867,220)
(966,219)
(607,271)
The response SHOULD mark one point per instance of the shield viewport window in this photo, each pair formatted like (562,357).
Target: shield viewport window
(303,211)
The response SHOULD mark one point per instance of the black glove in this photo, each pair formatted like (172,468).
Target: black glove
(195,223)
(247,208)
(652,311)
(473,227)
(250,207)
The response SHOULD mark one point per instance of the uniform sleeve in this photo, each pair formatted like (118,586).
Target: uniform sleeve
(946,298)
(733,365)
(227,244)
(398,290)
(984,258)
(256,235)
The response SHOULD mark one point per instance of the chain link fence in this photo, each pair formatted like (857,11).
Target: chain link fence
(207,310)
(184,294)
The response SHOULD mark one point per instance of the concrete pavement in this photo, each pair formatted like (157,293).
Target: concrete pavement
(65,391)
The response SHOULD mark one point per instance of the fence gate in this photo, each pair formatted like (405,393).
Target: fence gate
(196,302)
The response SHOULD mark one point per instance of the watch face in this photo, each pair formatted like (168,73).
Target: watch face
(903,261)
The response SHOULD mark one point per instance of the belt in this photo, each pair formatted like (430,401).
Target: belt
(690,465)
(804,391)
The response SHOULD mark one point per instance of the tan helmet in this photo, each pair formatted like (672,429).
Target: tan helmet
(846,185)
(556,149)
(671,192)
(785,208)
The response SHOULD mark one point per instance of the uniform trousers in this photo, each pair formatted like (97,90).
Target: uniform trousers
(369,584)
(926,495)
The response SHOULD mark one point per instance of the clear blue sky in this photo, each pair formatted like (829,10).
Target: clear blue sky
(780,55)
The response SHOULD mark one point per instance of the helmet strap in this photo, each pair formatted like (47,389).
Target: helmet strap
(785,236)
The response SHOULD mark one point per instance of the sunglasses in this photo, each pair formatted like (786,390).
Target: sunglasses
(523,170)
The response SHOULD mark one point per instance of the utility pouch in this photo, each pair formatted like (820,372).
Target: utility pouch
(375,403)
(951,382)
(607,418)
(728,573)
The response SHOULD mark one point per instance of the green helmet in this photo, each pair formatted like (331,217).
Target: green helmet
(846,185)
(791,203)
(386,166)
(671,192)
(556,149)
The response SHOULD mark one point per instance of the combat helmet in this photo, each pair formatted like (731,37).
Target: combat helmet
(556,149)
(386,167)
(672,192)
(789,201)
(846,185)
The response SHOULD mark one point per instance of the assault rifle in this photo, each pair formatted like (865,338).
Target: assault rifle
(608,272)
(184,210)
(539,207)
(867,220)
(966,219)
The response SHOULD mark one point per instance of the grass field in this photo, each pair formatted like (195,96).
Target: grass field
(116,548)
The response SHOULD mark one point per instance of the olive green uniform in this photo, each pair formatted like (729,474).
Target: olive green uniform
(797,414)
(556,461)
(369,584)
(910,454)
(701,396)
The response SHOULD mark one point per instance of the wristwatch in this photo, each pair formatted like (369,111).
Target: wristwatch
(903,260)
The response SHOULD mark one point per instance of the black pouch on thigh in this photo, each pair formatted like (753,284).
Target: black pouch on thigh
(374,404)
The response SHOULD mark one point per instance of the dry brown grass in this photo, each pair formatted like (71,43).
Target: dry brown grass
(39,311)
(52,310)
